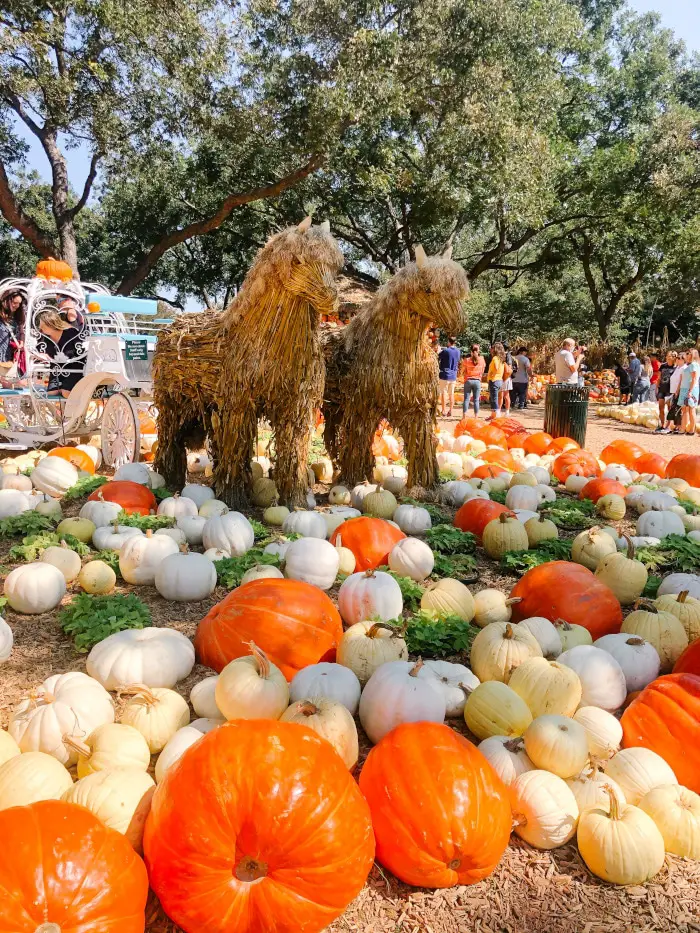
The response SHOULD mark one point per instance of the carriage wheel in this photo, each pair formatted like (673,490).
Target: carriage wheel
(121,431)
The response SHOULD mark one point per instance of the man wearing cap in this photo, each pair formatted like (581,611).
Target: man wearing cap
(635,370)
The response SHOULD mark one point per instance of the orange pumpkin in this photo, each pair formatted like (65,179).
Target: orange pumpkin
(665,717)
(517,440)
(651,463)
(537,443)
(147,423)
(258,827)
(134,498)
(62,869)
(468,425)
(689,661)
(294,623)
(54,269)
(598,487)
(626,453)
(369,539)
(490,435)
(386,445)
(79,459)
(487,471)
(475,515)
(560,444)
(425,845)
(575,463)
(685,466)
(501,458)
(561,589)
(508,426)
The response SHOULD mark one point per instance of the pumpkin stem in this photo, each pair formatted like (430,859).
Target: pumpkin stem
(630,547)
(80,747)
(509,633)
(635,641)
(504,516)
(682,596)
(250,870)
(184,549)
(115,526)
(647,605)
(514,600)
(562,623)
(466,690)
(149,532)
(614,802)
(415,670)
(374,631)
(308,708)
(370,573)
(519,819)
(263,662)
(48,928)
(138,690)
(514,745)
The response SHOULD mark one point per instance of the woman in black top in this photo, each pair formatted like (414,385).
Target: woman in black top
(625,383)
(65,333)
(663,387)
(12,308)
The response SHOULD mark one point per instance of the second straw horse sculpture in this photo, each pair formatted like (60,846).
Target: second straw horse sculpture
(215,374)
(381,366)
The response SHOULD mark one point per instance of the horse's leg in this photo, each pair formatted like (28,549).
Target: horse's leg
(232,440)
(356,457)
(171,458)
(292,439)
(420,448)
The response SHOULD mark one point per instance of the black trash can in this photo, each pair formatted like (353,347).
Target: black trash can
(566,411)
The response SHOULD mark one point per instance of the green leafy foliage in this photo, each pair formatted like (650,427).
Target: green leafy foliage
(498,495)
(33,546)
(84,487)
(570,513)
(651,590)
(91,619)
(161,493)
(410,590)
(521,561)
(458,566)
(230,570)
(111,558)
(690,507)
(145,522)
(447,476)
(675,554)
(26,523)
(261,532)
(446,539)
(432,638)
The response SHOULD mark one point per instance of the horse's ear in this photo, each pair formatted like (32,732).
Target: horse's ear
(325,226)
(447,252)
(421,258)
(305,224)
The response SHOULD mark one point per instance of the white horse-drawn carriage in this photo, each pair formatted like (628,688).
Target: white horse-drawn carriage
(107,369)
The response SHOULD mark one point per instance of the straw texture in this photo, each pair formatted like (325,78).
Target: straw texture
(215,374)
(381,366)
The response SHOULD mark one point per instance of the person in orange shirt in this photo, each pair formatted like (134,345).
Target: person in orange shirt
(473,369)
(495,379)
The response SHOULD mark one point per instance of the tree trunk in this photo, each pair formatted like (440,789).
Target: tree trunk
(61,210)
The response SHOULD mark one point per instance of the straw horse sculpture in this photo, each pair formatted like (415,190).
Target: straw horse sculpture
(215,374)
(381,366)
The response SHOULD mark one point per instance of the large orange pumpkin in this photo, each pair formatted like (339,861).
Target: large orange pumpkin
(501,458)
(651,463)
(490,435)
(689,661)
(665,717)
(623,452)
(487,471)
(134,498)
(79,459)
(62,869)
(685,466)
(294,623)
(517,440)
(575,463)
(468,425)
(507,425)
(475,515)
(561,589)
(258,827)
(538,443)
(560,444)
(440,813)
(54,269)
(598,487)
(369,539)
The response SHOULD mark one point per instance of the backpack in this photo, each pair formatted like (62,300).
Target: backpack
(508,367)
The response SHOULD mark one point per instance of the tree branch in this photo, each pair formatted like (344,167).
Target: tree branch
(201,227)
(14,214)
(87,187)
(14,101)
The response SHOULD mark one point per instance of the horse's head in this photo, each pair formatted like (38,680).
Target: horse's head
(305,260)
(434,288)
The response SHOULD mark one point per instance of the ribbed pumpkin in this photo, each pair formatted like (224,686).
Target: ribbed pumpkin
(665,718)
(689,661)
(370,540)
(134,498)
(215,829)
(561,444)
(538,443)
(54,269)
(564,590)
(427,846)
(78,458)
(500,458)
(517,440)
(651,463)
(468,425)
(575,463)
(500,648)
(623,452)
(685,608)
(475,515)
(490,436)
(504,533)
(598,487)
(487,471)
(685,466)
(662,629)
(294,623)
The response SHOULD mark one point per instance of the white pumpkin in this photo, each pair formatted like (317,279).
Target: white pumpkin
(199,461)
(134,473)
(373,594)
(545,812)
(49,507)
(346,558)
(360,491)
(591,546)
(365,646)
(507,757)
(412,558)
(313,561)
(306,524)
(660,524)
(66,704)
(140,557)
(655,501)
(214,553)
(557,744)
(619,473)
(203,698)
(547,687)
(275,515)
(97,578)
(93,452)
(114,537)
(259,572)
(412,519)
(193,529)
(112,745)
(14,502)
(603,730)
(339,495)
(232,533)
(575,484)
(6,641)
(252,688)
(35,588)
(156,712)
(16,481)
(676,812)
(176,534)
(213,507)
(396,694)
(8,747)
(330,720)
(457,492)
(330,681)
(546,634)
(447,597)
(602,679)
(34,776)
(198,493)
(572,635)
(336,516)
(278,547)
(178,507)
(183,739)
(638,658)
(64,559)
(54,476)
(491,605)
(500,648)
(590,788)
(121,799)
(455,681)
(156,657)
(678,582)
(637,771)
(185,578)
(523,497)
(451,462)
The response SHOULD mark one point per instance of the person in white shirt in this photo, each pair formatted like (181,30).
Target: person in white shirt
(566,363)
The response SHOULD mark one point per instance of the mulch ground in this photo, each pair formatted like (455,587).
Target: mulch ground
(530,891)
